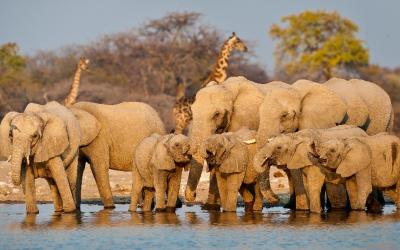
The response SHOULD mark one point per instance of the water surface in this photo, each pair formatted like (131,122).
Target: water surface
(275,228)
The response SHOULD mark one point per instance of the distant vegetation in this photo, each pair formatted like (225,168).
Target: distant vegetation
(142,64)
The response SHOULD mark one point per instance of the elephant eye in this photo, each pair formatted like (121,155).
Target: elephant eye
(176,145)
(332,150)
(216,114)
(279,147)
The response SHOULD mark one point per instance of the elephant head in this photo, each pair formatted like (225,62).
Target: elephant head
(303,105)
(171,151)
(225,152)
(284,150)
(33,136)
(345,156)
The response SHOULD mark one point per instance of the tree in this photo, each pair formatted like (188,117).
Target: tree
(317,45)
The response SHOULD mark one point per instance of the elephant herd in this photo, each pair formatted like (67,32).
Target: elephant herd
(330,138)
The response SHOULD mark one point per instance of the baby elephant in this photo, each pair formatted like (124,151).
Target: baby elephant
(159,161)
(230,156)
(364,163)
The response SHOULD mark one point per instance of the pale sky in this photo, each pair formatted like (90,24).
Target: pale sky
(51,24)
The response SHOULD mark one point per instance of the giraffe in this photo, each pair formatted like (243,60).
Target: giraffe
(73,93)
(219,74)
(182,111)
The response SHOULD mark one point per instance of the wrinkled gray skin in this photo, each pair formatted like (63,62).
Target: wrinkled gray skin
(159,161)
(117,130)
(43,142)
(231,160)
(220,108)
(307,104)
(291,152)
(363,163)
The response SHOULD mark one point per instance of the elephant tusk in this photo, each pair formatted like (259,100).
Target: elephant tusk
(205,165)
(9,159)
(27,160)
(251,141)
(270,139)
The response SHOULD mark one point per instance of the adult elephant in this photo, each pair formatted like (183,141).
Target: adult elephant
(221,108)
(117,130)
(307,104)
(48,137)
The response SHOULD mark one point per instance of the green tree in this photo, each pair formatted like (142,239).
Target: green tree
(317,45)
(10,61)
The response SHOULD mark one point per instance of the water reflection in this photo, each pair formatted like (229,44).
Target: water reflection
(275,217)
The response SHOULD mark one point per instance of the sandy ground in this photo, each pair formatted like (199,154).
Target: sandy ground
(120,185)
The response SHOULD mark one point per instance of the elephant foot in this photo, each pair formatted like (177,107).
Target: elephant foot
(257,207)
(161,210)
(189,195)
(248,207)
(32,209)
(109,206)
(291,203)
(132,208)
(69,210)
(270,196)
(170,209)
(211,207)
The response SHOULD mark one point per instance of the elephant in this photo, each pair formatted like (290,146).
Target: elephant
(218,108)
(290,152)
(43,142)
(307,105)
(159,161)
(363,163)
(229,156)
(117,131)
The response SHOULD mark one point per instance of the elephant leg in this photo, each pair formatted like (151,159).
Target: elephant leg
(397,200)
(173,190)
(28,186)
(222,187)
(57,170)
(351,188)
(148,199)
(292,198)
(99,164)
(137,187)
(193,180)
(364,187)
(213,192)
(74,174)
(233,182)
(248,197)
(160,184)
(265,187)
(337,195)
(58,206)
(258,198)
(314,183)
(299,190)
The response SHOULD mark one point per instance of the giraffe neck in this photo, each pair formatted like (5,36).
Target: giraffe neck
(219,73)
(73,93)
(180,91)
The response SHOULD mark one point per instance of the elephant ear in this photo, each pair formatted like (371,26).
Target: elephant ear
(300,158)
(54,140)
(162,159)
(320,106)
(236,157)
(89,125)
(356,156)
(5,142)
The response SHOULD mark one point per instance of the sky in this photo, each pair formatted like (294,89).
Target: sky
(51,24)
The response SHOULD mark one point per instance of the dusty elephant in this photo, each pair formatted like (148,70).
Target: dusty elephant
(229,156)
(290,151)
(159,161)
(48,137)
(117,130)
(225,107)
(364,163)
(307,104)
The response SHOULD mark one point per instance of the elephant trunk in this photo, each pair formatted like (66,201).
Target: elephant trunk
(260,162)
(16,165)
(266,130)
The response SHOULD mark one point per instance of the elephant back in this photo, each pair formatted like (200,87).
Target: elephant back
(357,109)
(379,106)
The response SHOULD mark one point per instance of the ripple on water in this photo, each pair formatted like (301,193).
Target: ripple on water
(275,228)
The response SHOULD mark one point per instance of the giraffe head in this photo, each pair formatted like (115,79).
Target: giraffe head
(237,43)
(83,63)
